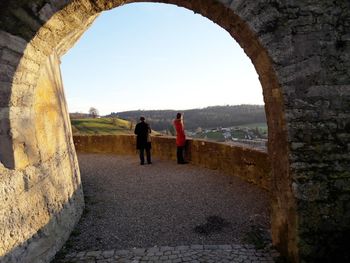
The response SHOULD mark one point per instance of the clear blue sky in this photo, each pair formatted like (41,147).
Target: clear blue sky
(157,56)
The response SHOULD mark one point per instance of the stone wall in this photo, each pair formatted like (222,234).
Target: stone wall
(40,205)
(301,52)
(248,164)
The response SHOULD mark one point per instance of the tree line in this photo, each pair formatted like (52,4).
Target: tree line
(209,117)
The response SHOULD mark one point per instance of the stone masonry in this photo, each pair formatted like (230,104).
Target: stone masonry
(40,205)
(250,165)
(192,253)
(301,51)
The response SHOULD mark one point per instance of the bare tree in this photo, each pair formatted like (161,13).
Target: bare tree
(93,112)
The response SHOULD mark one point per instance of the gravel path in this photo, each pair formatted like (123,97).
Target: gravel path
(163,204)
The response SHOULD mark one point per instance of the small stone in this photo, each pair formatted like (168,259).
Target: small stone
(173,256)
(108,253)
(122,252)
(153,249)
(197,247)
(71,255)
(166,248)
(182,248)
(211,247)
(93,253)
(225,247)
(139,251)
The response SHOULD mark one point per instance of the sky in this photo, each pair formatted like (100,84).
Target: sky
(145,56)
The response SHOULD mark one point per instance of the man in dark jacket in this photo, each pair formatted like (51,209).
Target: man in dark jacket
(143,130)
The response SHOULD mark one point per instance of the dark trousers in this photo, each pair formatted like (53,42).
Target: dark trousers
(148,154)
(180,154)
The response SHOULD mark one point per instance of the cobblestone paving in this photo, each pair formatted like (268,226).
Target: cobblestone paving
(193,253)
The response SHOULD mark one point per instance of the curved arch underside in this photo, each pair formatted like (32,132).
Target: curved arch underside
(300,52)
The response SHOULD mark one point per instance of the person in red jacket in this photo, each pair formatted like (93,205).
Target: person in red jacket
(180,138)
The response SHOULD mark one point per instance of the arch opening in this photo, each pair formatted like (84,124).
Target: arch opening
(142,69)
(83,146)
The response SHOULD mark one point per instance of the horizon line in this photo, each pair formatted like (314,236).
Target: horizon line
(227,105)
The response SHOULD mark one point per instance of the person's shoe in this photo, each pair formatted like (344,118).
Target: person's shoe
(142,163)
(182,162)
(150,163)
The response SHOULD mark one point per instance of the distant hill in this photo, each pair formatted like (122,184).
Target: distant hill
(78,115)
(210,117)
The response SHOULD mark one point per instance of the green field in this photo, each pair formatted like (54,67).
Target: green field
(101,126)
(212,135)
(216,136)
(262,126)
(238,134)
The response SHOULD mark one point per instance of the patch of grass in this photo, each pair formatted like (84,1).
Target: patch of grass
(212,135)
(280,259)
(68,246)
(213,224)
(90,201)
(101,126)
(59,257)
(256,236)
(100,217)
(238,134)
(85,212)
(217,136)
(262,126)
(75,233)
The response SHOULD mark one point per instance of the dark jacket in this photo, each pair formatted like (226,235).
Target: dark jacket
(142,130)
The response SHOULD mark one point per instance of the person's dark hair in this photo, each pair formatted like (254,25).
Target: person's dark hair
(178,116)
(142,118)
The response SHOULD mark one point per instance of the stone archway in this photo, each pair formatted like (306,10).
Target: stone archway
(299,51)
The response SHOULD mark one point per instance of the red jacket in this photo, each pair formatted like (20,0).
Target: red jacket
(180,133)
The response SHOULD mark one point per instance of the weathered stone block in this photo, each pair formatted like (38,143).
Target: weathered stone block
(12,42)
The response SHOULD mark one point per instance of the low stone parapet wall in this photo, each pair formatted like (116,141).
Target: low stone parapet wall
(249,164)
